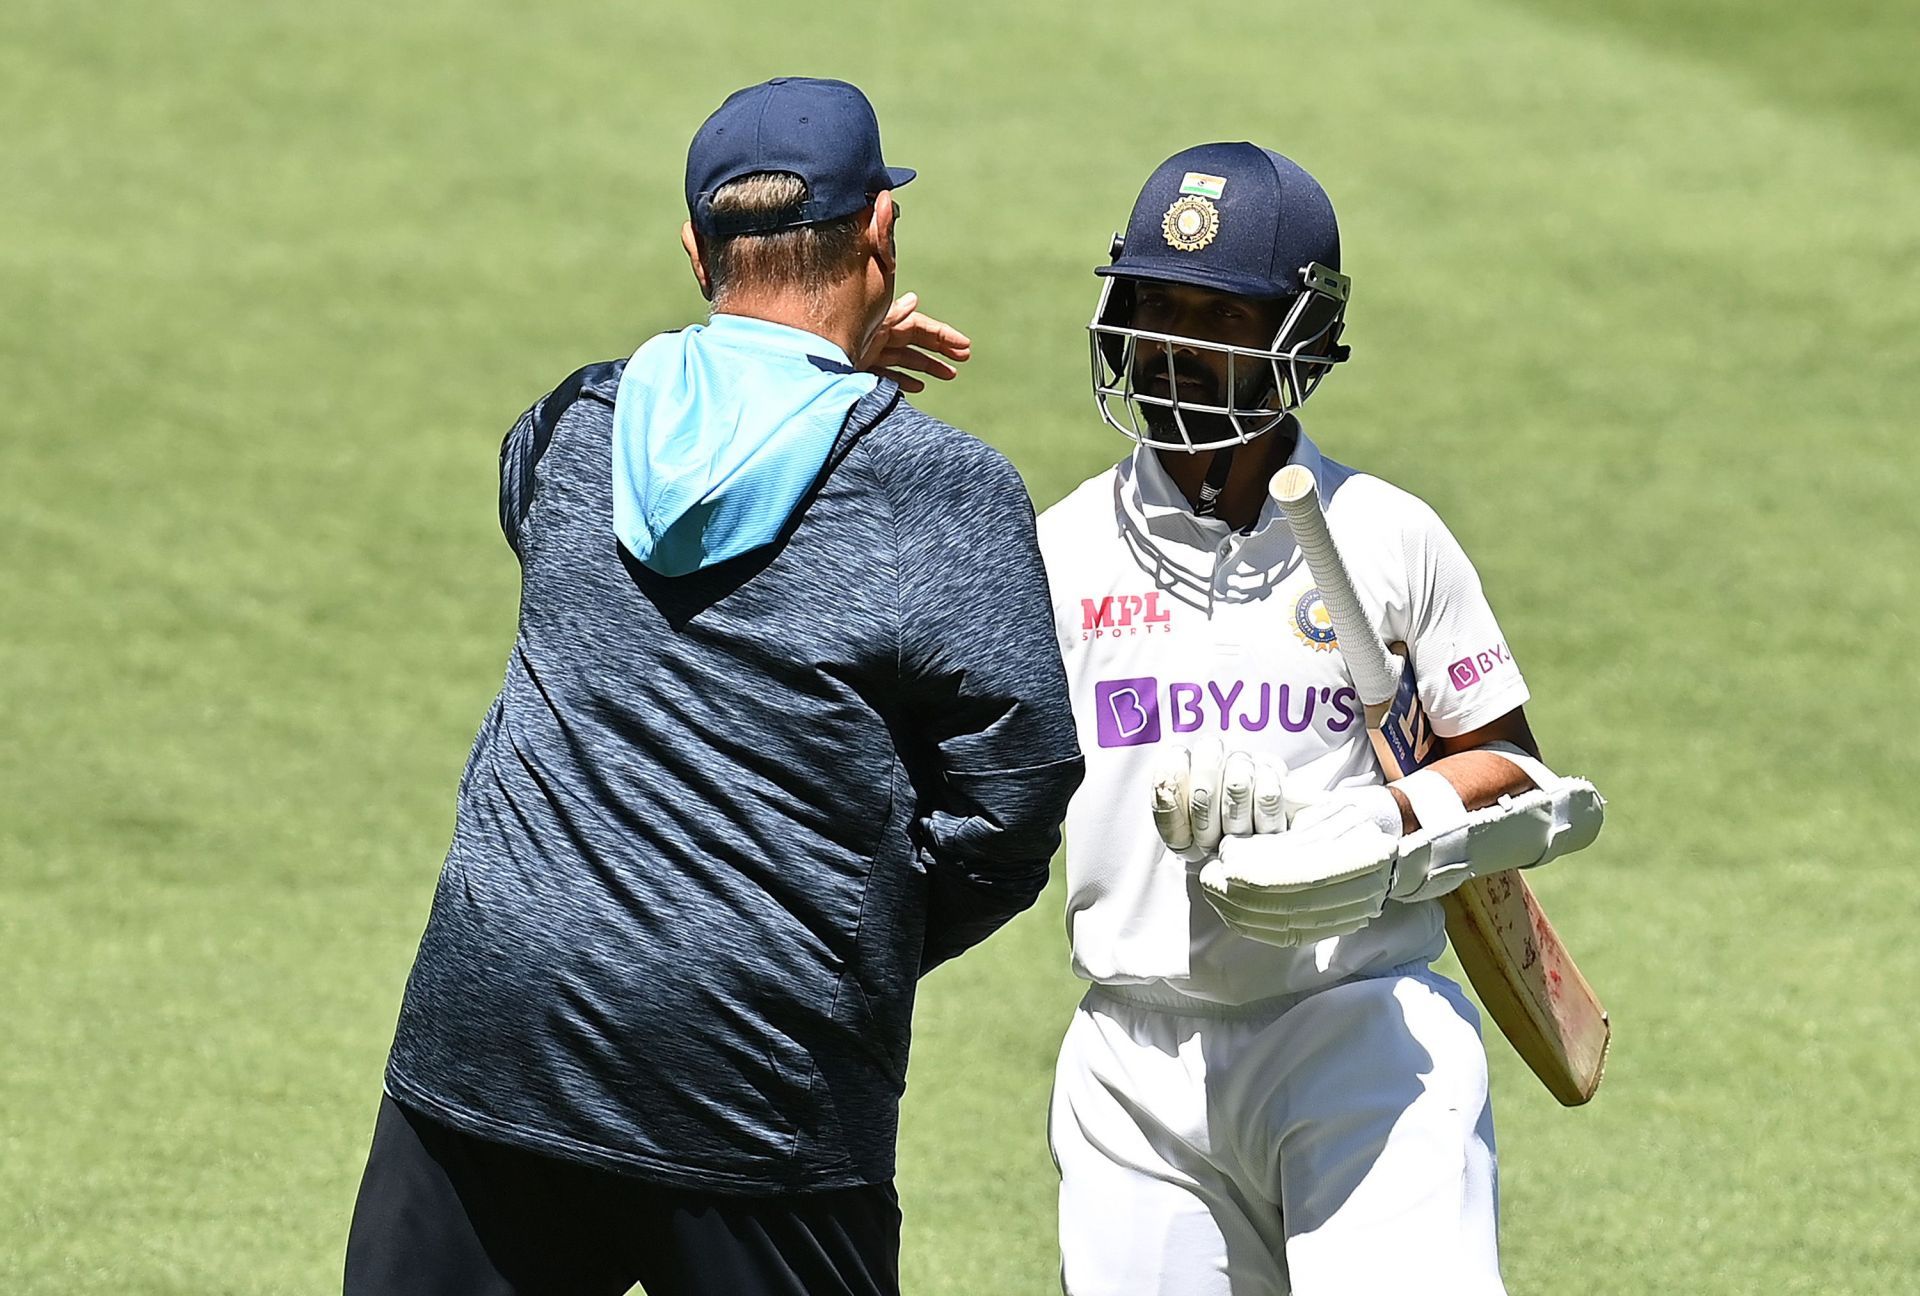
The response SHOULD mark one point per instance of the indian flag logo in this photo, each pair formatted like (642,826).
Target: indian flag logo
(1203,185)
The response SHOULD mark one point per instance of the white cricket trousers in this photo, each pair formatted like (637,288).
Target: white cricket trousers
(1338,1143)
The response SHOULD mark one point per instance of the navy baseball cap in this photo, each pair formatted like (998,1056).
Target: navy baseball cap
(822,131)
(1234,217)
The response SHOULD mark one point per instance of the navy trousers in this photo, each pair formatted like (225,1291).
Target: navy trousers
(441,1213)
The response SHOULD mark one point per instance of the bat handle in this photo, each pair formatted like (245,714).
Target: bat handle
(1376,675)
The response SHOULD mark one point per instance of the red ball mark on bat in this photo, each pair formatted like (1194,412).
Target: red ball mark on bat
(1553,982)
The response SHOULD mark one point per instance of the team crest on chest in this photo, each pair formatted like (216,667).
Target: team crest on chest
(1190,223)
(1313,623)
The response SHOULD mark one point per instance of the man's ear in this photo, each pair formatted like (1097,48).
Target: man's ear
(691,242)
(881,230)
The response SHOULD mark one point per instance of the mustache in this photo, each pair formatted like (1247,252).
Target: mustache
(1181,367)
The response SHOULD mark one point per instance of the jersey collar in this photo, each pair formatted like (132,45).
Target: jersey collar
(1159,508)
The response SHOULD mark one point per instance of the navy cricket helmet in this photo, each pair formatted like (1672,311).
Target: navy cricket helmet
(1233,218)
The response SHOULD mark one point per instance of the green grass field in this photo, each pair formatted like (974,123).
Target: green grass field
(1637,285)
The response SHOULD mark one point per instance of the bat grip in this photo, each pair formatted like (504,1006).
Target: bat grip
(1376,675)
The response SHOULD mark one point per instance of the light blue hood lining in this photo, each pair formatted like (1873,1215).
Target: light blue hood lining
(718,431)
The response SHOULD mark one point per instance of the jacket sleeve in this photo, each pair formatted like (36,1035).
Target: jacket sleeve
(985,694)
(517,459)
(525,442)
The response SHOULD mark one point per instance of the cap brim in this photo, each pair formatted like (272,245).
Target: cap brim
(897,176)
(1162,270)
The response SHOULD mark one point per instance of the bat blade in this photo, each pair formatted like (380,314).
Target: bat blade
(1530,985)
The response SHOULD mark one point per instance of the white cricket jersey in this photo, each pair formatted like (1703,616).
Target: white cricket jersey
(1176,628)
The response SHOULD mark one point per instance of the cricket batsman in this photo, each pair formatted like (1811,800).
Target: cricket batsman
(1267,1087)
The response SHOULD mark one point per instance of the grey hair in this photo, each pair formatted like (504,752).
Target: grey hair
(807,257)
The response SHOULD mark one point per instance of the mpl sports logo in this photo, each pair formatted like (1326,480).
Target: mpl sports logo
(1135,712)
(1470,670)
(1124,614)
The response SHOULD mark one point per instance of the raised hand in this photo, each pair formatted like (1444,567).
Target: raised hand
(907,339)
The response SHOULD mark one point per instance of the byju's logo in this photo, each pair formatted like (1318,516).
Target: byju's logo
(1127,711)
(1470,670)
(1134,712)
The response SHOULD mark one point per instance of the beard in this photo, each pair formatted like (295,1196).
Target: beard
(1201,426)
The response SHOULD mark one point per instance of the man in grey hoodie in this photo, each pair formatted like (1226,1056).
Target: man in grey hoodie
(783,728)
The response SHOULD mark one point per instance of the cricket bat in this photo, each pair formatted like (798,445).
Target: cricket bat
(1523,974)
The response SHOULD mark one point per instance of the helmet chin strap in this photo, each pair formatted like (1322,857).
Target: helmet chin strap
(1216,481)
(1287,429)
(1222,466)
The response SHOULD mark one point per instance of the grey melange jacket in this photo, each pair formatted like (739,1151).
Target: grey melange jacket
(716,826)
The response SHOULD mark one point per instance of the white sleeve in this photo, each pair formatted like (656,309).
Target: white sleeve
(1465,671)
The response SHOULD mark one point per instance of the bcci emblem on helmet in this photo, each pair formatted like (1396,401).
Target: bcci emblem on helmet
(1313,623)
(1190,223)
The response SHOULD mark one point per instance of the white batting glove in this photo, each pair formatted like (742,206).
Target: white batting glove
(1201,796)
(1374,800)
(1328,875)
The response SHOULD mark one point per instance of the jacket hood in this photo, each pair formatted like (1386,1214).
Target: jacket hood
(718,431)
